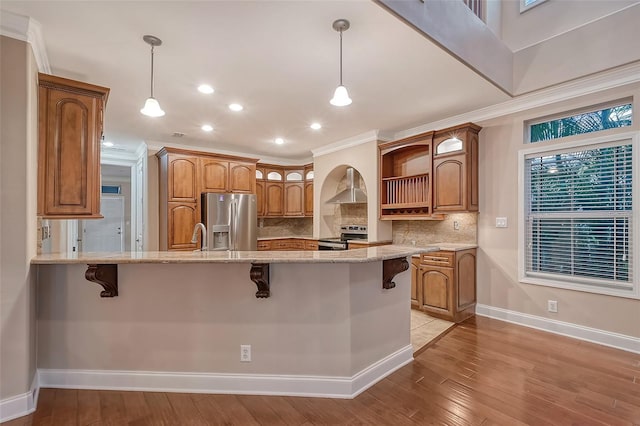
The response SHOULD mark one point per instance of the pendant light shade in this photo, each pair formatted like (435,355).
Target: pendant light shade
(152,106)
(341,96)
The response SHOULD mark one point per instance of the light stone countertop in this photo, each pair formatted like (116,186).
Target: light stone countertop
(447,247)
(362,255)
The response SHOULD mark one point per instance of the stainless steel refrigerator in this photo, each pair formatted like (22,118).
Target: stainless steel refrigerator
(231,221)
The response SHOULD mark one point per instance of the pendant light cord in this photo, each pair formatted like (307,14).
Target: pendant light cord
(152,70)
(340,57)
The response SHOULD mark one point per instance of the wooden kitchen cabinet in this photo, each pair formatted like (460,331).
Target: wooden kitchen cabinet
(444,284)
(455,169)
(214,175)
(282,244)
(182,172)
(405,178)
(308,190)
(416,290)
(310,245)
(182,219)
(227,176)
(294,199)
(260,203)
(241,177)
(274,199)
(70,123)
(184,176)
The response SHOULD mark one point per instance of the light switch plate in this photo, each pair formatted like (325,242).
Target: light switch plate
(501,222)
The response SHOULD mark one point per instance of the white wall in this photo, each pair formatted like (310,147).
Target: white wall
(329,168)
(18,224)
(601,45)
(497,270)
(551,18)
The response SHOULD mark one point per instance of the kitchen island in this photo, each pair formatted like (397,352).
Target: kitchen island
(323,324)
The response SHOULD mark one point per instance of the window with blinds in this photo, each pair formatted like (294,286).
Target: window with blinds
(579,215)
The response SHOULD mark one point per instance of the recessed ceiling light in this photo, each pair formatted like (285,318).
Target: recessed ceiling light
(316,126)
(236,107)
(207,127)
(279,141)
(206,89)
(107,144)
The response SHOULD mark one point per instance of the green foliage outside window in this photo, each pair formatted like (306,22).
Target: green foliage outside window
(607,118)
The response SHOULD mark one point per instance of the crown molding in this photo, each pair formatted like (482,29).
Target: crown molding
(366,137)
(26,29)
(155,146)
(616,77)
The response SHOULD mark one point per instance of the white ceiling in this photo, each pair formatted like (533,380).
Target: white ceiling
(277,58)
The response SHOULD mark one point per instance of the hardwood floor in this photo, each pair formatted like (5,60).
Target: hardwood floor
(483,372)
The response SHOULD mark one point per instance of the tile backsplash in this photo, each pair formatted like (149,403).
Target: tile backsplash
(425,232)
(285,227)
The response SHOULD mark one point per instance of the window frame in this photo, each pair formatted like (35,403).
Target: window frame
(574,112)
(628,137)
(524,7)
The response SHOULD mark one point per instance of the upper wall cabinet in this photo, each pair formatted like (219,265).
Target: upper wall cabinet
(70,123)
(405,184)
(284,191)
(455,169)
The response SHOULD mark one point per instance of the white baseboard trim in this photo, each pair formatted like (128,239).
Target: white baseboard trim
(20,405)
(251,384)
(594,335)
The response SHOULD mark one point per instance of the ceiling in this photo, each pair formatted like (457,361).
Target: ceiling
(280,59)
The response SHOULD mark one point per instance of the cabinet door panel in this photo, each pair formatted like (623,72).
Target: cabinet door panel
(182,220)
(308,199)
(214,175)
(242,177)
(71,150)
(182,172)
(466,275)
(260,202)
(274,196)
(293,199)
(415,278)
(436,288)
(449,183)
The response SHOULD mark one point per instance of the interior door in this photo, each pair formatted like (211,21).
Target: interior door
(105,234)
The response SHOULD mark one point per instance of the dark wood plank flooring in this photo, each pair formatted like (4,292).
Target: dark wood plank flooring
(483,372)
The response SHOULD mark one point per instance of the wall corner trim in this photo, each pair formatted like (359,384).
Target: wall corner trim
(20,405)
(593,335)
(26,29)
(239,384)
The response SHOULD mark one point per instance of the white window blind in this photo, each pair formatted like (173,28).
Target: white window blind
(578,216)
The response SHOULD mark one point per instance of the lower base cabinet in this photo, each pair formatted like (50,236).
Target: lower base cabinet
(287,244)
(443,284)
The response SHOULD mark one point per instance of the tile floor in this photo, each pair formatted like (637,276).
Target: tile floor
(425,328)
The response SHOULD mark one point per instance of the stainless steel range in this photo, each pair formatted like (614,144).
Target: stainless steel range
(347,232)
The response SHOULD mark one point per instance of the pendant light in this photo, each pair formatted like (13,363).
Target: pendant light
(151,106)
(341,97)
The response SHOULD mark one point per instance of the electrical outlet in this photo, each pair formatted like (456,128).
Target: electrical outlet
(501,222)
(552,305)
(456,225)
(245,353)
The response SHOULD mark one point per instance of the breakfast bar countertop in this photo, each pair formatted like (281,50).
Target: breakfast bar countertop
(370,254)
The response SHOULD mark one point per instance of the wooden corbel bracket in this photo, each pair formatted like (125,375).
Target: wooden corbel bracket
(106,276)
(259,274)
(391,268)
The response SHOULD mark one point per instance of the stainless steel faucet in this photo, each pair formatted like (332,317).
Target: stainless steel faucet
(194,237)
